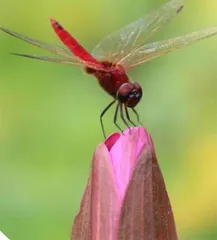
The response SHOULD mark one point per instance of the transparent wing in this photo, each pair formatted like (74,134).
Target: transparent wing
(49,59)
(66,56)
(120,44)
(63,60)
(50,48)
(156,49)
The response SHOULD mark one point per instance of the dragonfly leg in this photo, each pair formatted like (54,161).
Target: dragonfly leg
(115,117)
(128,116)
(122,116)
(137,115)
(102,114)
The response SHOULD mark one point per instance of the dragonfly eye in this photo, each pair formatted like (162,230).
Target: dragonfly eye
(129,94)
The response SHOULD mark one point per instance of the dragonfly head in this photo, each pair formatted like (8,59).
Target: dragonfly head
(129,94)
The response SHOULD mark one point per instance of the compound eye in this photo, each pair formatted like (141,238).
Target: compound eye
(138,95)
(136,86)
(131,95)
(124,92)
(135,96)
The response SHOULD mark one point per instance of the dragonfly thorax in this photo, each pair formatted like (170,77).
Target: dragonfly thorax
(112,79)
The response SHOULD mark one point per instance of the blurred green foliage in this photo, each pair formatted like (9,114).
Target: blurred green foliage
(49,116)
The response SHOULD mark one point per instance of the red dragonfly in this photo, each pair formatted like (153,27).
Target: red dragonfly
(117,53)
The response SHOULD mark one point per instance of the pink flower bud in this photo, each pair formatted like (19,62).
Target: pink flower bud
(125,197)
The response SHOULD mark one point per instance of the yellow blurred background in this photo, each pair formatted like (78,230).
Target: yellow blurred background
(49,116)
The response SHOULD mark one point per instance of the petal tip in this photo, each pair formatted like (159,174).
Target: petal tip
(111,140)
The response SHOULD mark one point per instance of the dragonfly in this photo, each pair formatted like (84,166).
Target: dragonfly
(117,53)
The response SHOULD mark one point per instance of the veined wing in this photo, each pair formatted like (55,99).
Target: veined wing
(120,44)
(66,56)
(50,59)
(48,47)
(62,60)
(156,49)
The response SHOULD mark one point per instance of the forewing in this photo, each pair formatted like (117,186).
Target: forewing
(156,49)
(50,59)
(120,44)
(66,56)
(48,47)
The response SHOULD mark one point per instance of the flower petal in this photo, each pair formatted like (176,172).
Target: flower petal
(111,140)
(146,211)
(82,224)
(124,155)
(100,207)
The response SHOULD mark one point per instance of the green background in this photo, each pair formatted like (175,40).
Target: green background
(49,116)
